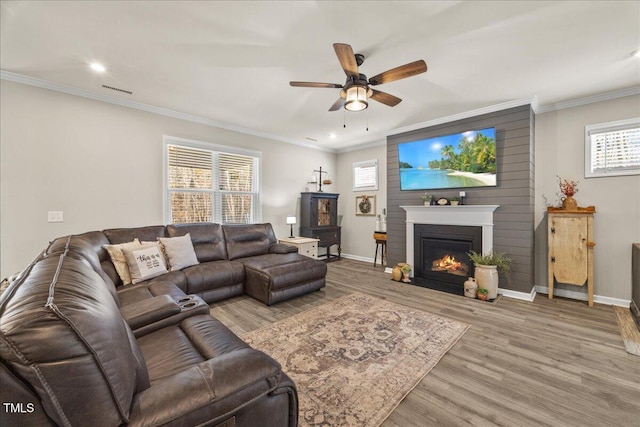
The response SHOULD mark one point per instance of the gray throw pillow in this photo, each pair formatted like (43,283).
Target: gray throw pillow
(179,251)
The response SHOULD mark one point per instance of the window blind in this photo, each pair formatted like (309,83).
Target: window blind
(614,150)
(212,186)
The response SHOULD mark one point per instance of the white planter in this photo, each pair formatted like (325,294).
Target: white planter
(487,278)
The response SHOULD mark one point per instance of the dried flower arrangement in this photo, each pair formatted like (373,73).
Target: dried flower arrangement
(567,187)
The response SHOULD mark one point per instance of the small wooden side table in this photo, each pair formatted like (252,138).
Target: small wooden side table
(381,241)
(306,246)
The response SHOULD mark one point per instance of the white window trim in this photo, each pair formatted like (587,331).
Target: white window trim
(603,127)
(357,185)
(168,140)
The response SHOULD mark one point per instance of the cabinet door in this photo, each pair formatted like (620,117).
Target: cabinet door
(568,246)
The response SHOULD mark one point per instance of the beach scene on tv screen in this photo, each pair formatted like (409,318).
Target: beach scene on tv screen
(466,159)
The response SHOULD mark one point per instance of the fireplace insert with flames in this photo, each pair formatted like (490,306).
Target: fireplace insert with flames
(441,260)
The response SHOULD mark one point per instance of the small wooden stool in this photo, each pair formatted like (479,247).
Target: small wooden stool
(381,241)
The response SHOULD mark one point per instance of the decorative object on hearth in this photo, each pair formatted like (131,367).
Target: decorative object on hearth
(291,220)
(487,268)
(568,188)
(406,270)
(471,288)
(355,93)
(427,199)
(396,272)
(483,294)
(442,201)
(355,358)
(366,205)
(455,200)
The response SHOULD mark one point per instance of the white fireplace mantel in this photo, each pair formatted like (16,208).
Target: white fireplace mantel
(473,215)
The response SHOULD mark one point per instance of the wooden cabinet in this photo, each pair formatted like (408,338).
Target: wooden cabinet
(319,220)
(306,246)
(570,235)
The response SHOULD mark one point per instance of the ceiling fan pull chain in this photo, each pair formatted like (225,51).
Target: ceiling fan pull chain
(367,120)
(344,119)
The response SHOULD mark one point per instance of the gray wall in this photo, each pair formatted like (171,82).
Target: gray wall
(513,221)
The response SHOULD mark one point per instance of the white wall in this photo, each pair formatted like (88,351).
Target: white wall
(102,165)
(560,151)
(357,231)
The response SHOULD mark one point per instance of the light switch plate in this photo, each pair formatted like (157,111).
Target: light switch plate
(55,216)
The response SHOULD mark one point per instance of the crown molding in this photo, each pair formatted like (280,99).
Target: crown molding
(44,84)
(532,101)
(607,96)
(468,114)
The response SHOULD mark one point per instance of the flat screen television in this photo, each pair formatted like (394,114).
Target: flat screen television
(461,160)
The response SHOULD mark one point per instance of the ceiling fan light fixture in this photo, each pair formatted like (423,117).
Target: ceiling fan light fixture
(356,98)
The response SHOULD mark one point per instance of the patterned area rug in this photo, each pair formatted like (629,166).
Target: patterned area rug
(355,358)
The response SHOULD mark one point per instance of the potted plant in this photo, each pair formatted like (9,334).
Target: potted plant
(426,198)
(483,294)
(406,269)
(455,200)
(487,268)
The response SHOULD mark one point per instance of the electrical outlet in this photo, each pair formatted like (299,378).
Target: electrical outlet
(55,216)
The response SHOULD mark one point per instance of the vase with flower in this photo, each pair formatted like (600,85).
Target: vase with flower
(568,188)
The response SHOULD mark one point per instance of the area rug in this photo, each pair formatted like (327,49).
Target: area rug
(628,330)
(355,358)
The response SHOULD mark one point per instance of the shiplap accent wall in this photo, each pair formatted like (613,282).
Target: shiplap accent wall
(513,220)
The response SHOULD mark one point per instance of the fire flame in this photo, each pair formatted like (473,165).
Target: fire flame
(450,264)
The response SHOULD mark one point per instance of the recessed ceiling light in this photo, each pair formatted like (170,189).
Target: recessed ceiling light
(97,67)
(332,135)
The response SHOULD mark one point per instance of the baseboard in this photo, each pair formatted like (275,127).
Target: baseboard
(358,258)
(525,296)
(600,299)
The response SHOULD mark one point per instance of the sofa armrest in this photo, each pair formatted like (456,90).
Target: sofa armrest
(208,392)
(282,248)
(149,311)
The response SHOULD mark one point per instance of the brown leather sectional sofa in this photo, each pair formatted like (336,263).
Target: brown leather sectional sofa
(79,348)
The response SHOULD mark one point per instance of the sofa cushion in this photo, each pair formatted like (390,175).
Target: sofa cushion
(119,261)
(213,275)
(207,238)
(123,235)
(145,262)
(135,294)
(179,251)
(248,240)
(192,341)
(62,296)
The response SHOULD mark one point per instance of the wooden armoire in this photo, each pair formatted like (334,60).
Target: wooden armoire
(570,235)
(319,220)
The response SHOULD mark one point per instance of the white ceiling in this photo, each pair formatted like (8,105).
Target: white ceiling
(231,61)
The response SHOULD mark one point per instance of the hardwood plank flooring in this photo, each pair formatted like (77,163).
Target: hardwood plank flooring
(543,363)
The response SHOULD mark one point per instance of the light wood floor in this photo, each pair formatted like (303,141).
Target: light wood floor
(548,362)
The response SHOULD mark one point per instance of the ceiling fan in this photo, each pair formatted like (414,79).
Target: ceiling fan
(354,94)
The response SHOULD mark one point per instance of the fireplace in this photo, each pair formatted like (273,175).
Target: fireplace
(456,229)
(440,255)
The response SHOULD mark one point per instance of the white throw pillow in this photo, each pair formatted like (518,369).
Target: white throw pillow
(145,263)
(119,261)
(179,251)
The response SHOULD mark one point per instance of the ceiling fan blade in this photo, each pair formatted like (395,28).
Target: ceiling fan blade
(401,72)
(337,105)
(347,59)
(385,98)
(316,84)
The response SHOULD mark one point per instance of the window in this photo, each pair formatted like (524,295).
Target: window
(612,149)
(365,175)
(210,183)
